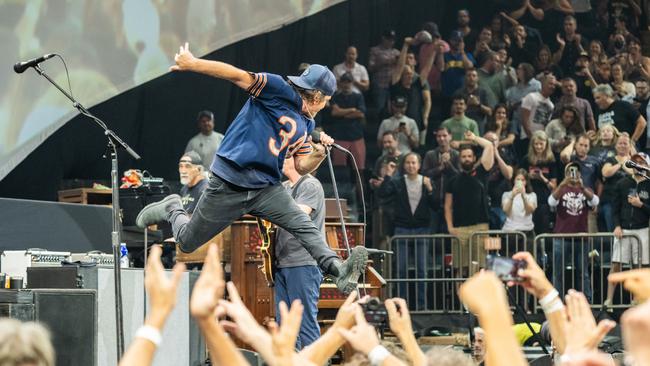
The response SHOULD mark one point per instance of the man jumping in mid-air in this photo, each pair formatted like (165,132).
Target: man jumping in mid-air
(275,123)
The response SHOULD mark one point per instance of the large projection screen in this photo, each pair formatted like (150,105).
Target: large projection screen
(110,46)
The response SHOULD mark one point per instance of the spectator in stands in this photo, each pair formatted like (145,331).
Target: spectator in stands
(498,180)
(463,25)
(431,53)
(623,9)
(360,80)
(347,122)
(565,129)
(25,344)
(454,64)
(459,124)
(494,82)
(413,204)
(603,146)
(544,63)
(522,48)
(584,79)
(572,200)
(483,42)
(570,46)
(440,165)
(478,347)
(207,141)
(536,110)
(541,167)
(479,108)
(406,83)
(616,45)
(498,31)
(637,66)
(466,200)
(519,204)
(577,152)
(624,89)
(390,153)
(383,58)
(526,84)
(582,106)
(631,214)
(621,114)
(499,124)
(408,133)
(613,171)
(192,178)
(597,54)
(641,105)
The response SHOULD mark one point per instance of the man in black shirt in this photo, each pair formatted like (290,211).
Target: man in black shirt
(466,201)
(190,169)
(620,114)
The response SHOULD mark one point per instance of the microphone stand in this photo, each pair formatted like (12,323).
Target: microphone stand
(113,143)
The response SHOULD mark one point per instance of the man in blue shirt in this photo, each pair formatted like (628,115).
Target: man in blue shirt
(274,124)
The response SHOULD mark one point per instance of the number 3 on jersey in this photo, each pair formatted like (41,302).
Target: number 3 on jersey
(286,136)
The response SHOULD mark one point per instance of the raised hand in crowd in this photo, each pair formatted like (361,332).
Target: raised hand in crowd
(637,281)
(284,336)
(582,334)
(485,296)
(399,320)
(161,291)
(635,324)
(206,295)
(363,338)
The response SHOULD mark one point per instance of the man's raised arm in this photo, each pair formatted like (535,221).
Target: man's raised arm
(185,61)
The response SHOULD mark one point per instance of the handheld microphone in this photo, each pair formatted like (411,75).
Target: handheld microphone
(20,67)
(632,165)
(315,136)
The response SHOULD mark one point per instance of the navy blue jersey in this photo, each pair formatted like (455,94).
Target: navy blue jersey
(269,128)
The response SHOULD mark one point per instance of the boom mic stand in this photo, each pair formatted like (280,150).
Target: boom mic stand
(113,143)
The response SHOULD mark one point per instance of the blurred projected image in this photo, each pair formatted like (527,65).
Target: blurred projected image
(109,46)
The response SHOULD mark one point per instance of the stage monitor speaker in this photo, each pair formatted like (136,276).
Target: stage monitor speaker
(545,360)
(182,343)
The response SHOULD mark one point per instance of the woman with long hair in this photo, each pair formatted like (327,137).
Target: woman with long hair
(544,63)
(604,142)
(499,124)
(519,205)
(541,167)
(637,66)
(565,128)
(613,170)
(596,55)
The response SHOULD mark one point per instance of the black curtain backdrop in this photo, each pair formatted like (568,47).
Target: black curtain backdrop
(159,117)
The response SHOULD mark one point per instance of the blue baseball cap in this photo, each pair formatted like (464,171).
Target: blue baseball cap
(316,77)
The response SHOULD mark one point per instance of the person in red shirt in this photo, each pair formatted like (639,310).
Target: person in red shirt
(572,201)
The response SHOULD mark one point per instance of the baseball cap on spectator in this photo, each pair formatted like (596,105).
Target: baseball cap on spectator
(456,36)
(389,33)
(432,28)
(583,54)
(641,158)
(399,101)
(204,114)
(346,78)
(316,77)
(192,157)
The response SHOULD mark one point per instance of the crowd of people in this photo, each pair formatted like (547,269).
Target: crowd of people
(574,332)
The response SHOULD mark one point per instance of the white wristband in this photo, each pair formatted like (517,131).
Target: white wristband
(548,299)
(556,305)
(149,333)
(377,355)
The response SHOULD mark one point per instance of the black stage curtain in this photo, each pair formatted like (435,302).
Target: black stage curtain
(159,117)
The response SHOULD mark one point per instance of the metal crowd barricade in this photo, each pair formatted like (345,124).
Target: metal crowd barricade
(423,274)
(582,261)
(507,244)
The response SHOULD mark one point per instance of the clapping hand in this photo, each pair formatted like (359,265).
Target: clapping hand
(209,288)
(363,336)
(582,334)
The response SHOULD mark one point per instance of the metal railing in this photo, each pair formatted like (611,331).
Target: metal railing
(582,261)
(422,273)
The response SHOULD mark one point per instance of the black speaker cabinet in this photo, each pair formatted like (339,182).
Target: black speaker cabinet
(68,314)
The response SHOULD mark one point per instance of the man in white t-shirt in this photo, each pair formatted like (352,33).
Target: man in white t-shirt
(206,142)
(408,134)
(537,108)
(358,71)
